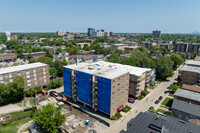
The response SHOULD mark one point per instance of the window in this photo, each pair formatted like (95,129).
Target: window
(113,86)
(10,75)
(34,71)
(34,75)
(11,80)
(45,80)
(113,80)
(1,77)
(44,69)
(27,72)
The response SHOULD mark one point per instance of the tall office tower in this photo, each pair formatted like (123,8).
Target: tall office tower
(156,34)
(91,32)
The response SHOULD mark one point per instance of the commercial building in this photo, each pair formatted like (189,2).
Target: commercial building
(189,75)
(91,32)
(99,33)
(181,47)
(140,78)
(156,34)
(33,55)
(61,33)
(35,74)
(8,56)
(148,44)
(150,122)
(186,105)
(102,88)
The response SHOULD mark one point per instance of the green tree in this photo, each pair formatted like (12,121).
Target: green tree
(45,60)
(49,118)
(53,72)
(30,92)
(174,87)
(164,67)
(59,50)
(58,65)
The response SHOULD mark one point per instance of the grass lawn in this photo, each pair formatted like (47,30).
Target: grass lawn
(151,87)
(161,111)
(158,81)
(21,113)
(12,128)
(167,102)
(32,101)
(164,106)
(171,94)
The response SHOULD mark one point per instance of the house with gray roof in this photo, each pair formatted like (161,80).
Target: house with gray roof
(186,105)
(151,122)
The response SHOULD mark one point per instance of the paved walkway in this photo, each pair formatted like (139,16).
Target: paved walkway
(143,105)
(11,108)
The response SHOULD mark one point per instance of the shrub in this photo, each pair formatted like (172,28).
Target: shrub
(31,92)
(144,92)
(141,96)
(126,109)
(113,117)
(118,115)
(6,123)
(170,113)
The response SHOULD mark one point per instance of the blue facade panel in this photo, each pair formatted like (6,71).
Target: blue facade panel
(84,87)
(67,81)
(104,92)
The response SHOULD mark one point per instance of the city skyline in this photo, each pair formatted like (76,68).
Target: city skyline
(117,16)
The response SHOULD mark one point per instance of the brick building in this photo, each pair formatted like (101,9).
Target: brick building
(33,55)
(8,57)
(35,74)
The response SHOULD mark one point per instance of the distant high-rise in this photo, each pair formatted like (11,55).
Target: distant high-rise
(156,34)
(8,35)
(61,33)
(91,32)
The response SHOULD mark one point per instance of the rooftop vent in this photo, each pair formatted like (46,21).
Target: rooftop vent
(181,121)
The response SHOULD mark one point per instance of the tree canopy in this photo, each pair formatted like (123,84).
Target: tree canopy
(49,118)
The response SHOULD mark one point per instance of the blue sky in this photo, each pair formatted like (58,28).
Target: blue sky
(135,16)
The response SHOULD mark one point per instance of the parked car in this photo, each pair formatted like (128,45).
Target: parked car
(131,100)
(160,98)
(157,101)
(166,92)
(151,108)
(54,94)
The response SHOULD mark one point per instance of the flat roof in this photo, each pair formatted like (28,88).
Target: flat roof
(190,69)
(188,94)
(21,67)
(95,69)
(192,62)
(148,122)
(120,44)
(137,71)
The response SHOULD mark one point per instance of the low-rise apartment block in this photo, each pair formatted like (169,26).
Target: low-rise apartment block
(35,74)
(8,56)
(181,47)
(33,55)
(119,46)
(148,44)
(189,75)
(50,49)
(166,45)
(186,105)
(103,88)
(82,44)
(130,48)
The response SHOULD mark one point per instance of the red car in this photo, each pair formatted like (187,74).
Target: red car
(131,100)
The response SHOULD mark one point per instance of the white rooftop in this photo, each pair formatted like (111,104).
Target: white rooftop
(95,69)
(137,71)
(192,62)
(21,67)
(190,69)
